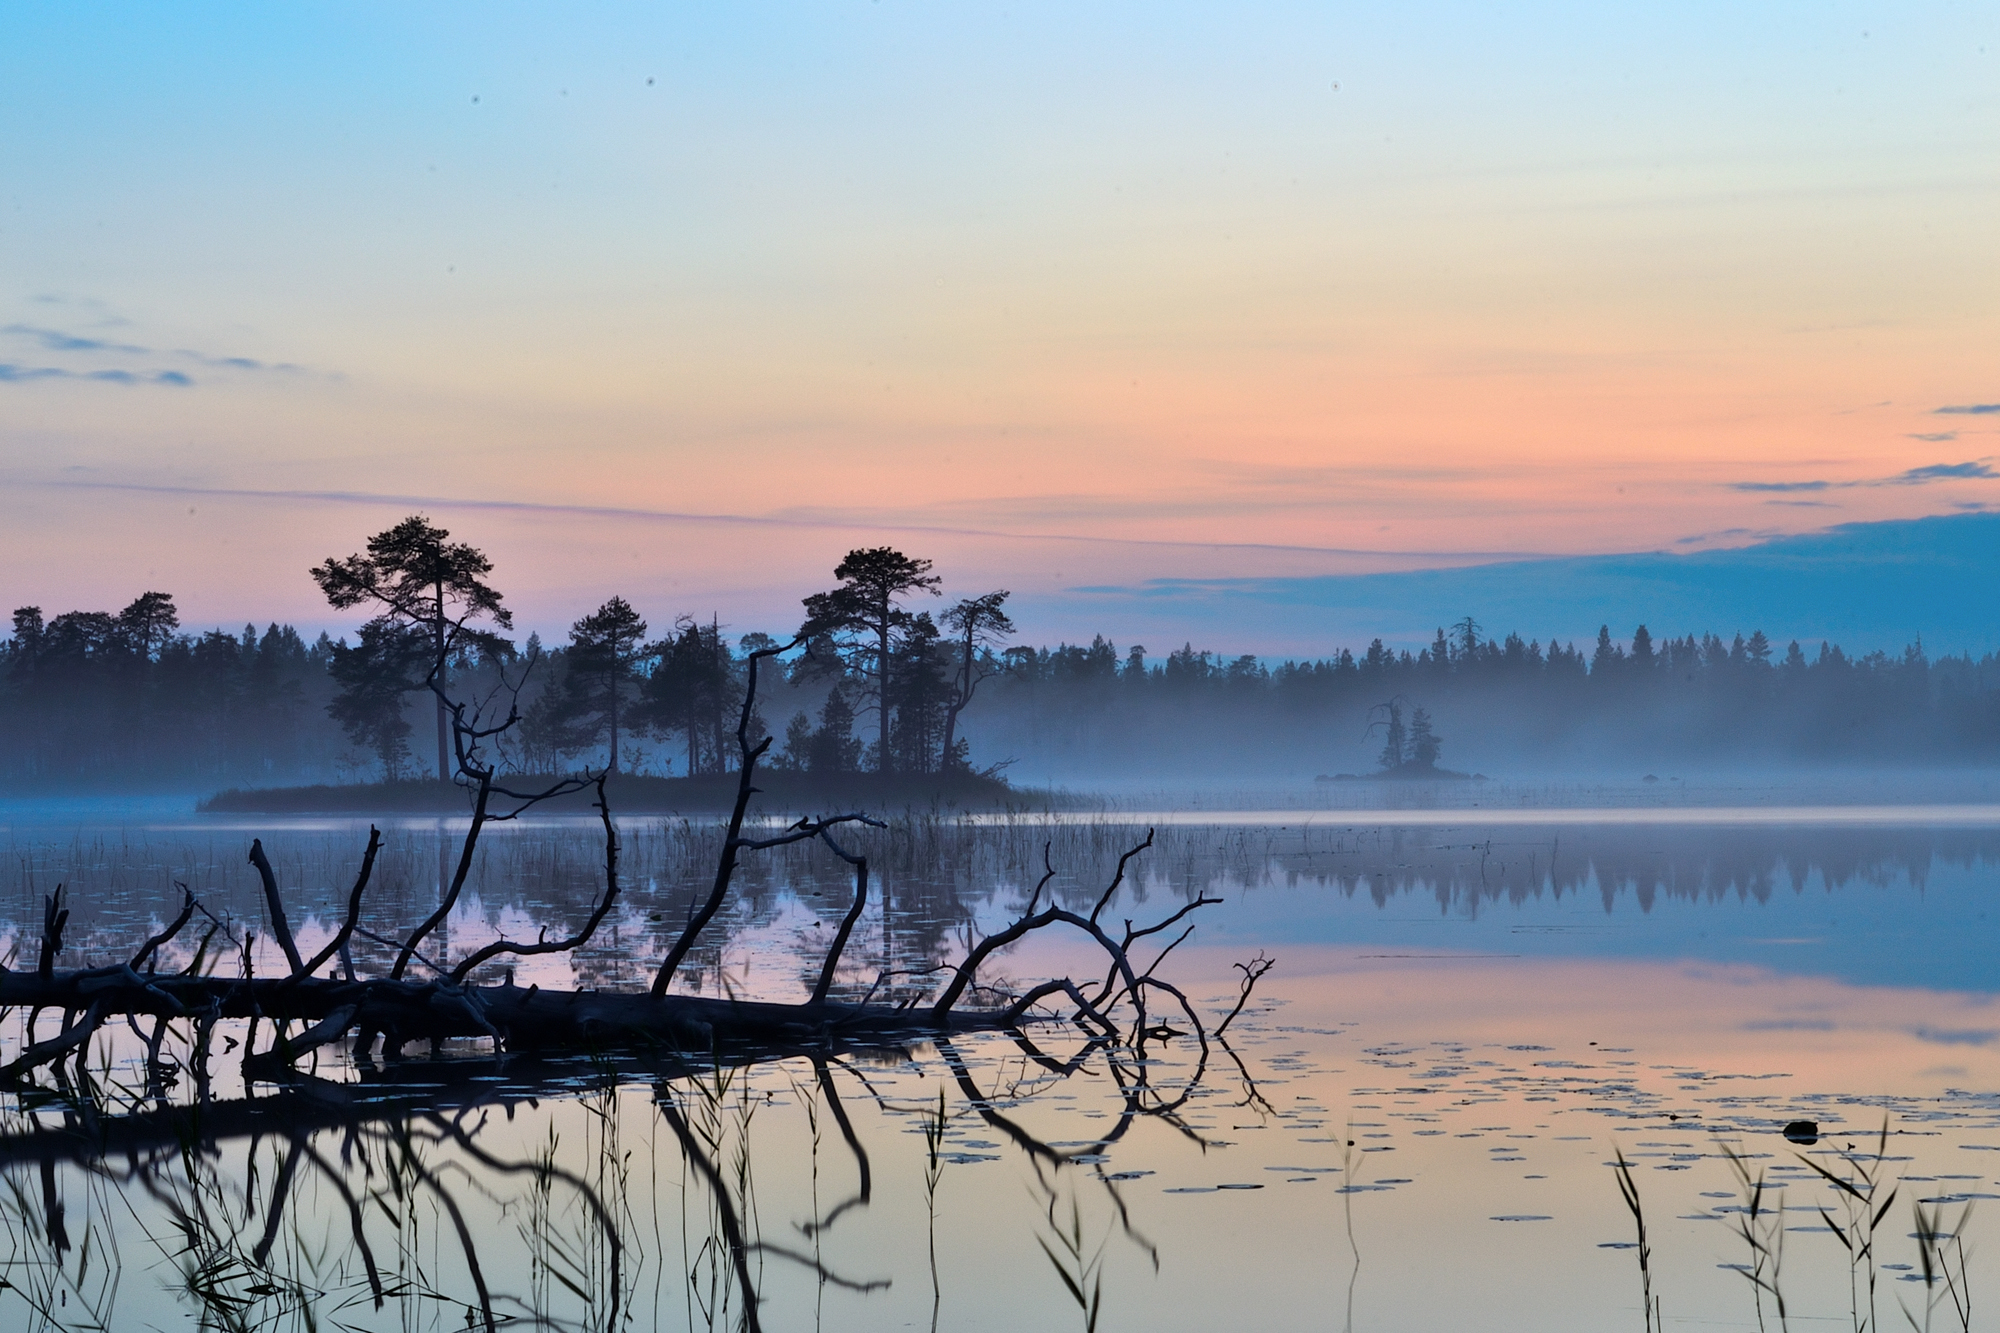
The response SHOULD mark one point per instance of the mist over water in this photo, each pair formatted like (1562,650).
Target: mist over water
(1485,1003)
(1018,667)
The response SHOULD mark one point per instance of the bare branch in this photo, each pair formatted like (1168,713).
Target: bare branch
(1253,972)
(847,923)
(438,917)
(1063,986)
(331,1028)
(346,931)
(388,943)
(276,905)
(807,829)
(55,915)
(1032,921)
(56,1047)
(174,927)
(1119,878)
(733,843)
(582,937)
(1134,936)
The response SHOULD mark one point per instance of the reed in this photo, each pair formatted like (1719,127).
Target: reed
(65,1284)
(1628,1190)
(1861,1215)
(934,1127)
(1348,1160)
(1941,1256)
(1079,1267)
(1762,1230)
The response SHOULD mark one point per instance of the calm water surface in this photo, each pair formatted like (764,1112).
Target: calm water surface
(1409,1127)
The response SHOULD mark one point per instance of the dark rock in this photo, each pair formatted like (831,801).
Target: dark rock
(1803,1132)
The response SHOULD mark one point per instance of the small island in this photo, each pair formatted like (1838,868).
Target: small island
(1409,752)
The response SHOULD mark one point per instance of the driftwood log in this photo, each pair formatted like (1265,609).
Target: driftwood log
(321,1000)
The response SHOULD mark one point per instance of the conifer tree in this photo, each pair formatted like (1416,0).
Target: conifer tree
(421,580)
(862,620)
(605,650)
(1425,745)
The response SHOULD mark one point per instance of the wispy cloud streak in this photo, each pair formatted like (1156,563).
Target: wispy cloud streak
(821,523)
(57,340)
(1978,469)
(13,374)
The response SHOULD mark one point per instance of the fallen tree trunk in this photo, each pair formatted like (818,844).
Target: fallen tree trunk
(521,1018)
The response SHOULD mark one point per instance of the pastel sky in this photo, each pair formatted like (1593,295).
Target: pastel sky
(681,302)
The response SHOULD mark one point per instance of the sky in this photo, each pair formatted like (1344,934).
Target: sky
(682,302)
(1860,587)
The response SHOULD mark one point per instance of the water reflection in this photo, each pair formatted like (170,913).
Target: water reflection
(938,876)
(482,1192)
(1402,1132)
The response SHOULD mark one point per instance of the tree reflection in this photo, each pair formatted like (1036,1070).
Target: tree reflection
(483,1193)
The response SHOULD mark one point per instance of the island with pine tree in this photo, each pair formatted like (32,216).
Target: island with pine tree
(1409,752)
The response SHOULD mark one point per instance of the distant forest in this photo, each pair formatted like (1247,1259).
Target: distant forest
(890,675)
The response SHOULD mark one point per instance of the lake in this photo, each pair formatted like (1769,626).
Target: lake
(1413,1122)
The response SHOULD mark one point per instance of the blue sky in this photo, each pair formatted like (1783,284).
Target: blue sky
(680,303)
(1863,586)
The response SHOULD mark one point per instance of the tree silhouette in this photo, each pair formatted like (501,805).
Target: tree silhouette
(862,620)
(1465,637)
(1425,746)
(605,648)
(1438,655)
(833,748)
(1608,656)
(374,676)
(149,623)
(1642,650)
(979,625)
(1395,752)
(690,690)
(421,579)
(919,696)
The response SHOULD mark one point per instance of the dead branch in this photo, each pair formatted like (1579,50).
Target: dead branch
(1062,986)
(55,1048)
(468,736)
(847,923)
(582,937)
(174,927)
(286,1050)
(54,917)
(353,918)
(275,903)
(1024,926)
(1119,878)
(732,843)
(1133,936)
(1253,972)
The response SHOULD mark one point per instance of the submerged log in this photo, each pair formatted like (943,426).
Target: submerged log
(521,1018)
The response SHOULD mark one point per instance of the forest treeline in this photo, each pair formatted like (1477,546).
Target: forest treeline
(890,675)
